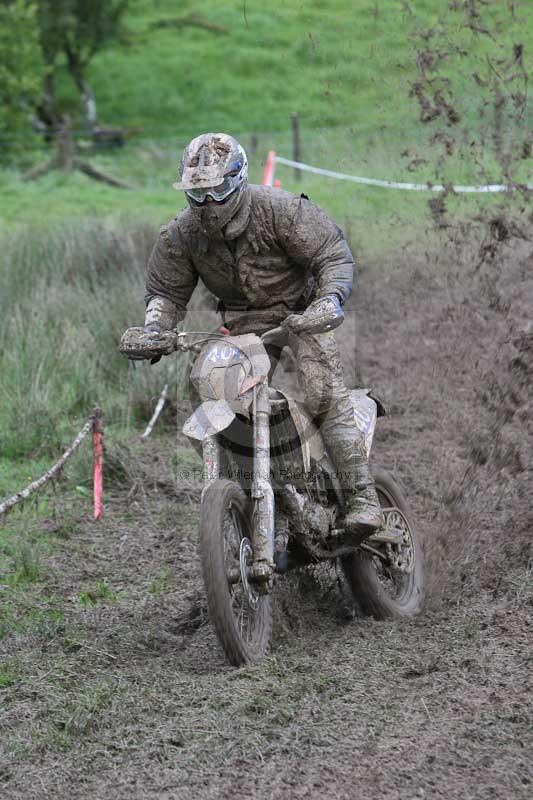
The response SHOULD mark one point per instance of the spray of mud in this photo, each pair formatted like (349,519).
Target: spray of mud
(447,336)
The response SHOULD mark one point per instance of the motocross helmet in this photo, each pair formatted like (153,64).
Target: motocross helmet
(213,164)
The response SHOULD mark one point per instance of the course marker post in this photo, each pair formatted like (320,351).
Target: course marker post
(268,175)
(98,462)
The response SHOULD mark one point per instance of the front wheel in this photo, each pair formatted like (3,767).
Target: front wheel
(242,617)
(389,584)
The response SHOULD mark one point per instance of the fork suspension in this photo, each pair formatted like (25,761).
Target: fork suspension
(262,492)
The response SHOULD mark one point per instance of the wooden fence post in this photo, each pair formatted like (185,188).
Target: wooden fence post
(296,144)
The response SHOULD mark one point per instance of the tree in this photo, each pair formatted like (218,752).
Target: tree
(20,70)
(75,30)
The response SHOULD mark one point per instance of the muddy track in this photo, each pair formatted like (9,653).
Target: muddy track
(128,695)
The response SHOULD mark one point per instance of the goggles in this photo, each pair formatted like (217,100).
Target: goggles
(218,193)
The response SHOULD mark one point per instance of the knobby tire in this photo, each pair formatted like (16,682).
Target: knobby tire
(361,573)
(220,498)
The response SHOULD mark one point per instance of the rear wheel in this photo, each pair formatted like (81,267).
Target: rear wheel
(242,617)
(389,583)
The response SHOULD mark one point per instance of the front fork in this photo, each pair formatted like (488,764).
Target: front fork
(262,493)
(211,459)
(263,529)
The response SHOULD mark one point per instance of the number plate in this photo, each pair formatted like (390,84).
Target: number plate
(222,352)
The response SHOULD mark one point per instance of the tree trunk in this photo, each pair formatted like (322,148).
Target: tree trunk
(65,145)
(46,117)
(75,67)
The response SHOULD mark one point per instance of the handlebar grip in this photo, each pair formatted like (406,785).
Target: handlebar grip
(321,323)
(137,343)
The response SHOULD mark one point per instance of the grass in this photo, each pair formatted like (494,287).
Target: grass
(60,356)
(336,64)
(29,604)
(19,473)
(29,612)
(345,70)
(375,219)
(27,564)
(8,674)
(160,582)
(103,592)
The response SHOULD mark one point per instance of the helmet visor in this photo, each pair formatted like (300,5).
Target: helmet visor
(218,193)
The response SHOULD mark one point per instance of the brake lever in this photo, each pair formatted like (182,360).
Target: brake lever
(273,334)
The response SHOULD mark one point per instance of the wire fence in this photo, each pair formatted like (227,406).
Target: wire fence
(178,141)
(418,187)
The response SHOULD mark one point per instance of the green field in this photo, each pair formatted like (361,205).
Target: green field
(345,68)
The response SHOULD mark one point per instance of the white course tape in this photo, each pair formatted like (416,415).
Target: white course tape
(417,187)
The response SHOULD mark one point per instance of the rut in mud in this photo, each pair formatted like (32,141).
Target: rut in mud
(128,694)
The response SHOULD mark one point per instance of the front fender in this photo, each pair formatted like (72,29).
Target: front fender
(211,417)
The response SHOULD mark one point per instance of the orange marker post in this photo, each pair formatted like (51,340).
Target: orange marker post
(268,175)
(98,462)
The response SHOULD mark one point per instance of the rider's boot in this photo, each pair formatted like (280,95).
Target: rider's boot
(363,515)
(363,512)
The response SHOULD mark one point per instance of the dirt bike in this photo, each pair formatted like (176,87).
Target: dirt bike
(272,500)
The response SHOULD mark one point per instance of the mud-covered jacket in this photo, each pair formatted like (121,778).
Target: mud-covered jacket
(277,254)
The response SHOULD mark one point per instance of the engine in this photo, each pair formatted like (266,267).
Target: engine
(306,517)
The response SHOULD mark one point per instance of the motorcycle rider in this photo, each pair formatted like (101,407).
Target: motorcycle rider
(266,254)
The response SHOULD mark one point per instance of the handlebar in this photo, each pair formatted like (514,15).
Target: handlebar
(181,343)
(140,344)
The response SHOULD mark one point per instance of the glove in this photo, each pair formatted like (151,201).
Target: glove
(321,316)
(140,343)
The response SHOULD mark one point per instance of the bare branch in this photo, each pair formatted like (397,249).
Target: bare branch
(157,412)
(11,502)
(40,169)
(98,175)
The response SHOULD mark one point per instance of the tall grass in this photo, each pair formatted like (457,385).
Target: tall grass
(65,299)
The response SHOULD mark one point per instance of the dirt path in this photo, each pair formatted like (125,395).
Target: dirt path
(114,685)
(133,699)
